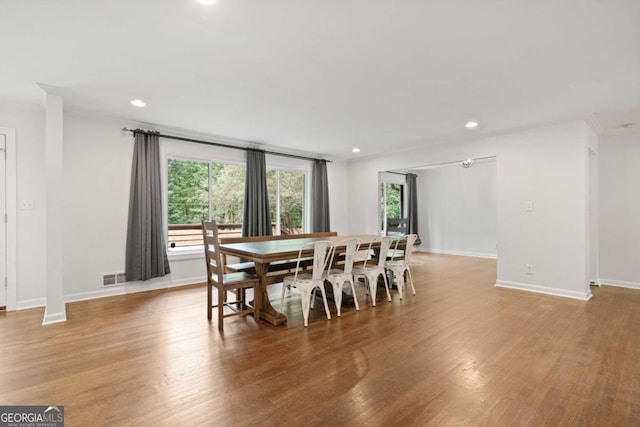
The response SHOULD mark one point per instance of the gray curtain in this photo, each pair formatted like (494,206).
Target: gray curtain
(146,253)
(256,216)
(320,197)
(412,205)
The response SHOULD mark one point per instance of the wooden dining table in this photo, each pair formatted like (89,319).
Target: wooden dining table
(266,252)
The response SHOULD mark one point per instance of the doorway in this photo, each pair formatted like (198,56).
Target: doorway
(8,229)
(3,223)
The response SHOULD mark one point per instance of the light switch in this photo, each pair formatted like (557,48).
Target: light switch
(529,206)
(26,204)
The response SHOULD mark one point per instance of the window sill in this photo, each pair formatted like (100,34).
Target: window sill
(179,254)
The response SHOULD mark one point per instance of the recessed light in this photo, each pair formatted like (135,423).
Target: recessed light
(138,103)
(471,125)
(207,2)
(355,150)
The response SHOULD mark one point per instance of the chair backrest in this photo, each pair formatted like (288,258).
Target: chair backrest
(403,247)
(397,226)
(351,246)
(385,245)
(322,254)
(408,250)
(215,267)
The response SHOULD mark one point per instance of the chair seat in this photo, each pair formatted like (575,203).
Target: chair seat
(302,277)
(336,272)
(395,264)
(232,279)
(363,270)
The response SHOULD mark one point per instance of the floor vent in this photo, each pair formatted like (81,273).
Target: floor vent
(111,279)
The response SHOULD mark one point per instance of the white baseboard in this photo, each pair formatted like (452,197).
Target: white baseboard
(458,253)
(50,318)
(131,288)
(583,296)
(31,303)
(619,283)
(127,288)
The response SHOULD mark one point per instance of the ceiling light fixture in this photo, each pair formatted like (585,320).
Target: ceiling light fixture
(138,103)
(355,150)
(467,163)
(207,2)
(471,125)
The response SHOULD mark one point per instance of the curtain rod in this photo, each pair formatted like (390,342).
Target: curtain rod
(218,144)
(442,164)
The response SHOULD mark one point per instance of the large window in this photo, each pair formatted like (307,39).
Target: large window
(202,190)
(286,197)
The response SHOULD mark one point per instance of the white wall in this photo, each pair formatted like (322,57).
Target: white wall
(457,209)
(547,166)
(619,211)
(97,168)
(31,272)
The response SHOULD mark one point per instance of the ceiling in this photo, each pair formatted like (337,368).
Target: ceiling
(325,76)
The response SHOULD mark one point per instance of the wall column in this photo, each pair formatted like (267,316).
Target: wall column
(55,309)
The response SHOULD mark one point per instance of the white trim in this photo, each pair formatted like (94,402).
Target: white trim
(132,288)
(457,253)
(583,296)
(111,291)
(54,318)
(619,283)
(193,252)
(31,303)
(11,202)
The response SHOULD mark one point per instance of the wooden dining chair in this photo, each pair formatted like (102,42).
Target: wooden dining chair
(306,281)
(400,267)
(216,278)
(339,276)
(397,226)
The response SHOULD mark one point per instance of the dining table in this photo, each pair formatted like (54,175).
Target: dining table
(263,253)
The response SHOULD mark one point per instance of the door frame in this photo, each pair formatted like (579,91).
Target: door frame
(11,201)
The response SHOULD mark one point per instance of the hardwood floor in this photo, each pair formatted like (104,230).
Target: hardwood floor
(461,352)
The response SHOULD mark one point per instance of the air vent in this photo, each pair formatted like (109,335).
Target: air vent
(112,279)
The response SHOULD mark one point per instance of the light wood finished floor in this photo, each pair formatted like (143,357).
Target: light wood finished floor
(461,352)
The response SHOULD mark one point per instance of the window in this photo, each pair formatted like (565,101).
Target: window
(391,202)
(189,185)
(286,197)
(202,190)
(188,201)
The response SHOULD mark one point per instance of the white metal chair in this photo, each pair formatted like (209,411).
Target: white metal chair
(399,267)
(372,271)
(306,282)
(338,277)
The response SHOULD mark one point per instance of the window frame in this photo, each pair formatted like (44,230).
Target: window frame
(170,149)
(305,197)
(385,178)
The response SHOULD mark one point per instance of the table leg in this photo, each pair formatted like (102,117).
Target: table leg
(267,312)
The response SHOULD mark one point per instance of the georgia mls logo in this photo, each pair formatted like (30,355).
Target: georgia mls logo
(32,416)
(53,408)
